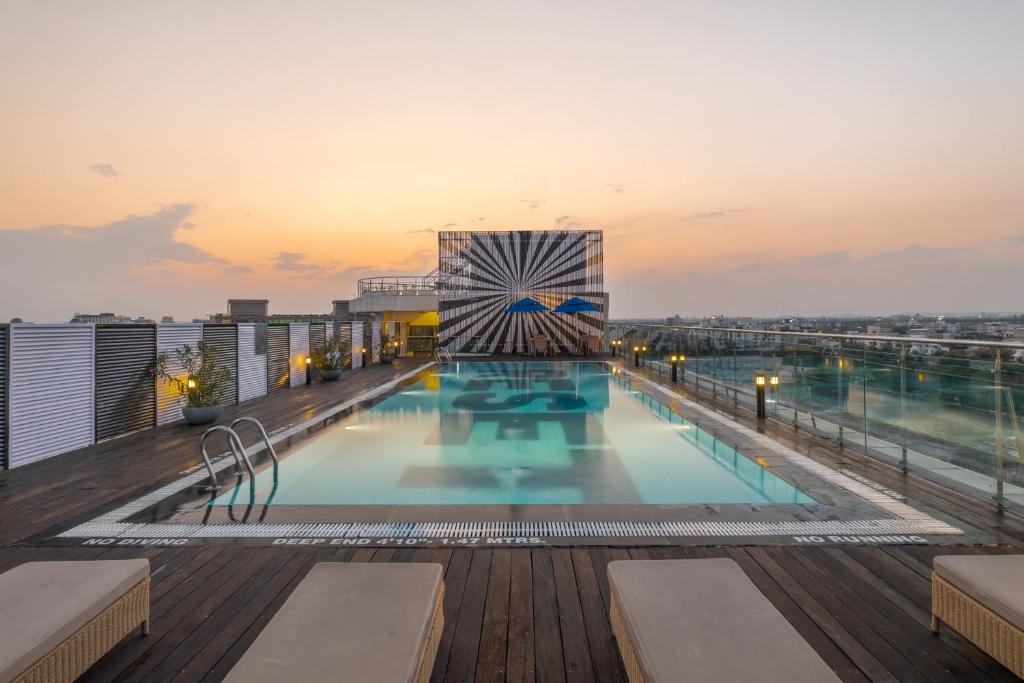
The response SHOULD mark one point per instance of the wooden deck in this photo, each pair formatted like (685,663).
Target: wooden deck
(536,614)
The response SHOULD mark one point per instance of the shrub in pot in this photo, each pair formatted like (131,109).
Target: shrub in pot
(330,359)
(388,349)
(201,381)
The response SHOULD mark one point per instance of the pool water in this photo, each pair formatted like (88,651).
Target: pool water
(517,434)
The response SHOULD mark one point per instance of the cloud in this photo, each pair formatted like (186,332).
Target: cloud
(914,252)
(1016,239)
(567,221)
(428,231)
(617,188)
(294,261)
(237,270)
(532,203)
(352,271)
(829,258)
(711,215)
(56,268)
(482,218)
(105,170)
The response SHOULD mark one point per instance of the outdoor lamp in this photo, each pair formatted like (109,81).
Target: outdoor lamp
(191,384)
(682,367)
(309,364)
(675,368)
(774,380)
(759,383)
(636,356)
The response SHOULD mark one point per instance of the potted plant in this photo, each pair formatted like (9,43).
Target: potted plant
(387,349)
(330,359)
(200,381)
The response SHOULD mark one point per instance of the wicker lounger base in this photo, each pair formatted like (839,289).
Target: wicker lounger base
(632,664)
(997,637)
(426,666)
(85,646)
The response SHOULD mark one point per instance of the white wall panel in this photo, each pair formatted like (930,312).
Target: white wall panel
(52,390)
(170,338)
(357,344)
(252,366)
(375,336)
(298,351)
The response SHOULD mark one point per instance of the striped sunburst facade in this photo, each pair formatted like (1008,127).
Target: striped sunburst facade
(483,273)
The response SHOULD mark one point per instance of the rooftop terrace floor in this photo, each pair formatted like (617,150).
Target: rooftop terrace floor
(516,614)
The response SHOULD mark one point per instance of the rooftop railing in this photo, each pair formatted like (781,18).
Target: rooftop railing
(402,284)
(947,409)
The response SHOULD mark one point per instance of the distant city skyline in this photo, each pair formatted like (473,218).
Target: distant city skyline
(742,158)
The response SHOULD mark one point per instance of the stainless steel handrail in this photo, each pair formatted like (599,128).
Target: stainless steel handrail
(263,433)
(237,449)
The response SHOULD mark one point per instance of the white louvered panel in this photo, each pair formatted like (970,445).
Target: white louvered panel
(52,390)
(376,340)
(357,345)
(170,338)
(298,351)
(329,331)
(252,367)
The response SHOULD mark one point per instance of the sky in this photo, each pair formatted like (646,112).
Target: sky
(743,158)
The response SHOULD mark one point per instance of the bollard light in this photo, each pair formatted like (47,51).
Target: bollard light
(191,384)
(636,356)
(675,369)
(759,383)
(682,368)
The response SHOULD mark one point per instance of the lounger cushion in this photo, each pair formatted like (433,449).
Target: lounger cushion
(347,622)
(993,580)
(704,620)
(43,603)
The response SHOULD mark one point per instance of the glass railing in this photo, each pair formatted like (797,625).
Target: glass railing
(949,409)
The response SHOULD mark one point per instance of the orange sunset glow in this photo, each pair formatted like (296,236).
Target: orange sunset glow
(741,157)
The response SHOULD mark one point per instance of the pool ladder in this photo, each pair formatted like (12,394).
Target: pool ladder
(442,354)
(237,450)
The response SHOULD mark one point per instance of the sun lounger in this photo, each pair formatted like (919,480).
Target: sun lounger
(58,618)
(704,620)
(352,622)
(979,597)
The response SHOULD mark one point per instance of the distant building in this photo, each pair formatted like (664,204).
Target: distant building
(167,319)
(248,310)
(96,318)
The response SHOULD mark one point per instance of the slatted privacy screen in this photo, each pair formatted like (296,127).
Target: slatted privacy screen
(224,340)
(125,392)
(252,361)
(170,338)
(3,395)
(317,336)
(277,357)
(329,330)
(343,331)
(375,339)
(52,399)
(357,344)
(298,351)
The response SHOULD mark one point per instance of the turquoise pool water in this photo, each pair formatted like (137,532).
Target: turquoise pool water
(515,434)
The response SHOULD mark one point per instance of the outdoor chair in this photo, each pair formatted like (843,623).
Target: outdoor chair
(58,618)
(704,620)
(352,622)
(541,346)
(979,597)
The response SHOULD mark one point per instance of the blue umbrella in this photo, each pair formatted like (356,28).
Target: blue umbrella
(527,305)
(576,305)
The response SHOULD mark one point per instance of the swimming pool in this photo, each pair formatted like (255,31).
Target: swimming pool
(541,433)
